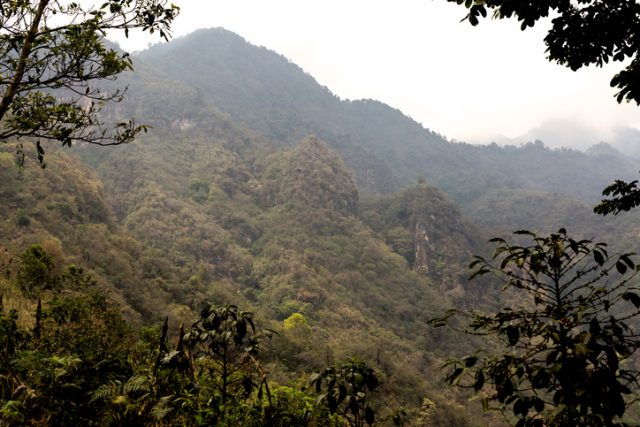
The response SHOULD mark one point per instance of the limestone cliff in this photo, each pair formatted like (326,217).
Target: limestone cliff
(426,228)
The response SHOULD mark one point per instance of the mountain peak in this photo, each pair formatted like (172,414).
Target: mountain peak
(602,149)
(311,174)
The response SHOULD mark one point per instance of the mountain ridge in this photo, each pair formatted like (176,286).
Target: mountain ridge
(386,149)
(356,230)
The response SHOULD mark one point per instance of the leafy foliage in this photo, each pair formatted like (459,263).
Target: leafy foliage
(80,364)
(569,344)
(347,390)
(206,209)
(76,344)
(624,197)
(583,33)
(227,337)
(36,271)
(165,253)
(50,55)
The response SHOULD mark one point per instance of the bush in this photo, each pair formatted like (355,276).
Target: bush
(22,219)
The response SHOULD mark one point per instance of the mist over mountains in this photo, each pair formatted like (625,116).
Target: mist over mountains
(386,149)
(574,134)
(259,187)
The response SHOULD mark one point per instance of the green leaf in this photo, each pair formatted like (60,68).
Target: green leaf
(627,260)
(331,402)
(598,257)
(476,262)
(632,297)
(513,335)
(520,407)
(470,361)
(481,271)
(456,373)
(369,416)
(617,404)
(505,390)
(247,385)
(524,232)
(321,398)
(479,380)
(342,393)
(580,349)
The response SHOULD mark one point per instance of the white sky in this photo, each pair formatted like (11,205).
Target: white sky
(465,82)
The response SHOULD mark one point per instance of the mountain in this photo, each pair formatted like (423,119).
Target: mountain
(226,214)
(561,133)
(256,186)
(242,205)
(65,210)
(565,133)
(386,149)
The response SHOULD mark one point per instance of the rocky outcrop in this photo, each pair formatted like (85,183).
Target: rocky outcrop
(427,229)
(422,249)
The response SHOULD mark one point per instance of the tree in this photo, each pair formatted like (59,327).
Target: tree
(583,33)
(36,271)
(624,196)
(347,388)
(52,53)
(568,344)
(47,375)
(221,351)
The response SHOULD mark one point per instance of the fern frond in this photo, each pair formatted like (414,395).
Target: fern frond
(107,391)
(163,407)
(136,384)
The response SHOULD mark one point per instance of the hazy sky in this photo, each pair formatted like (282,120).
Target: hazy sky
(465,82)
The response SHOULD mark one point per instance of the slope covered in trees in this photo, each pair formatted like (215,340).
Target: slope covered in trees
(64,210)
(385,148)
(327,238)
(229,216)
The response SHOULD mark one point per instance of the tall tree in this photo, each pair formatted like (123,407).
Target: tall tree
(51,55)
(583,32)
(568,343)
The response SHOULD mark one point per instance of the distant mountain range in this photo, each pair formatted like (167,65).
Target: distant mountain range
(573,134)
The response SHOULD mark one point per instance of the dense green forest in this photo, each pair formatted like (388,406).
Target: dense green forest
(297,245)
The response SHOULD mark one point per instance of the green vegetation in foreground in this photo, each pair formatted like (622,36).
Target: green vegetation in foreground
(206,209)
(569,343)
(77,362)
(568,358)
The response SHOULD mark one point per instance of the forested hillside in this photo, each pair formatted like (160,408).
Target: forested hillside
(386,149)
(501,188)
(344,226)
(233,217)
